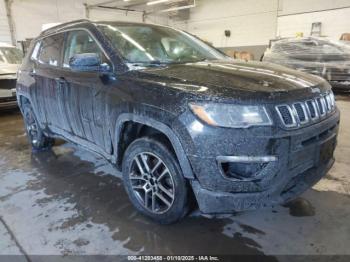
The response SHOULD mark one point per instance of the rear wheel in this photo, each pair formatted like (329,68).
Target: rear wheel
(35,135)
(154,181)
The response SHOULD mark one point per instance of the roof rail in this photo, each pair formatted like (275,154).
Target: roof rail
(60,26)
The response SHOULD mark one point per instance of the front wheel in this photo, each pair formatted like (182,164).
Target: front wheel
(35,135)
(154,181)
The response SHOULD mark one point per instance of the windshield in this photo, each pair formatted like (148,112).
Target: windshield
(10,55)
(157,44)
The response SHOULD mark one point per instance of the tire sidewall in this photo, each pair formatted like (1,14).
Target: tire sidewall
(179,207)
(43,142)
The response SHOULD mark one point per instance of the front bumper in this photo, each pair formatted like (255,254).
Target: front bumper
(304,157)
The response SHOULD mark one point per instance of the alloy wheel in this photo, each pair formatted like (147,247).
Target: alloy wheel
(152,183)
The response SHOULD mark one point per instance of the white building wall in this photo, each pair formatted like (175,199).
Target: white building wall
(254,22)
(251,22)
(5,35)
(301,6)
(30,15)
(298,16)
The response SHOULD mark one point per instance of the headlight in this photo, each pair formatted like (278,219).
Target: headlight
(234,116)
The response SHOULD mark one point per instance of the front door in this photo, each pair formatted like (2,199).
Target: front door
(85,92)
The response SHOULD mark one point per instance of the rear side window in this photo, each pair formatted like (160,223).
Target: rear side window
(50,51)
(81,42)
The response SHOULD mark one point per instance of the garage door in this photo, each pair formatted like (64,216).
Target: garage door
(5,35)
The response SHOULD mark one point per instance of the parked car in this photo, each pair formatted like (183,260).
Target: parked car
(10,60)
(319,56)
(178,117)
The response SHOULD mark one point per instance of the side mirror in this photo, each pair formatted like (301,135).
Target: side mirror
(88,62)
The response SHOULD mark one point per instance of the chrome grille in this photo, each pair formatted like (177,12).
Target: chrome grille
(328,103)
(303,113)
(321,106)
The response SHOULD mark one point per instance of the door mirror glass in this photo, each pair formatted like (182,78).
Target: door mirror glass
(87,62)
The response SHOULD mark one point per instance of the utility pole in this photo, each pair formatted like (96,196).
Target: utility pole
(8,5)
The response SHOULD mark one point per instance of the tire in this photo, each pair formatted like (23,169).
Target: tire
(161,195)
(36,137)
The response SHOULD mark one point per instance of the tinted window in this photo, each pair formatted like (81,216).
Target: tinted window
(80,42)
(50,51)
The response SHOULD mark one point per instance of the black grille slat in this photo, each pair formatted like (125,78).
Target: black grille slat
(300,111)
(312,109)
(286,115)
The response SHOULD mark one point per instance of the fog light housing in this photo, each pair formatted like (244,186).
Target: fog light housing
(244,168)
(242,171)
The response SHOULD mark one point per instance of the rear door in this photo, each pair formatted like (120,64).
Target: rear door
(47,71)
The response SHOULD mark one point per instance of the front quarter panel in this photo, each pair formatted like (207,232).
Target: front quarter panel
(157,106)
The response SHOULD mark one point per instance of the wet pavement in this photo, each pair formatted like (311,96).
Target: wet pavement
(69,201)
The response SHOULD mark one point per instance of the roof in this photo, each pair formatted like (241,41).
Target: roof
(63,25)
(54,29)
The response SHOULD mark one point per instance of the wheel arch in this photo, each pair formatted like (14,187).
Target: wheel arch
(163,129)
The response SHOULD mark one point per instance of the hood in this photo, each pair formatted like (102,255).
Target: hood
(232,79)
(8,70)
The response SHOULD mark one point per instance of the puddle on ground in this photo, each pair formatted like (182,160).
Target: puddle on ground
(101,199)
(78,205)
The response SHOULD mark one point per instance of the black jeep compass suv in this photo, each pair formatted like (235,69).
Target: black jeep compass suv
(178,117)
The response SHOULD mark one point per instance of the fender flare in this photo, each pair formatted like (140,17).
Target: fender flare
(174,140)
